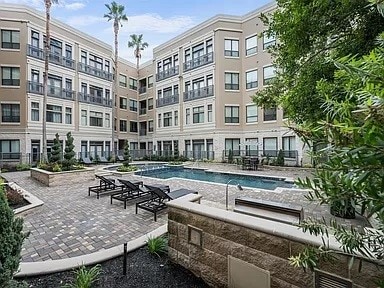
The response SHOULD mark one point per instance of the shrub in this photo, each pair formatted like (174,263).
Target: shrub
(84,278)
(56,167)
(22,167)
(230,156)
(14,197)
(280,158)
(157,245)
(56,150)
(11,239)
(127,155)
(124,168)
(69,154)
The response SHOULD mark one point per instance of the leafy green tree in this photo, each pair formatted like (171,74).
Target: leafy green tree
(69,153)
(117,15)
(127,155)
(55,150)
(307,33)
(354,172)
(280,158)
(11,239)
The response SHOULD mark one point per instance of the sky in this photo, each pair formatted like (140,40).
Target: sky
(158,20)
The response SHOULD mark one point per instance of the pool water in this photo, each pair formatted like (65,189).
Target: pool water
(268,183)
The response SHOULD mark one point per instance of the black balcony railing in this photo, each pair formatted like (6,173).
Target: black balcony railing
(167,73)
(95,71)
(169,100)
(53,58)
(199,93)
(199,61)
(92,99)
(53,91)
(142,90)
(143,132)
(200,155)
(142,111)
(10,119)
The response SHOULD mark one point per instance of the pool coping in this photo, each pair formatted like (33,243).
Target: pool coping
(27,269)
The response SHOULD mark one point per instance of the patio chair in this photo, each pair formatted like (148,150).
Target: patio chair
(120,158)
(105,186)
(159,199)
(87,161)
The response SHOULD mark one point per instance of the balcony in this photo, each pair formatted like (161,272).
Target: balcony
(53,58)
(53,91)
(199,93)
(92,99)
(167,73)
(95,71)
(169,100)
(198,62)
(142,111)
(142,90)
(143,132)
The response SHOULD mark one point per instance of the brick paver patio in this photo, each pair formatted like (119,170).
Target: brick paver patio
(70,223)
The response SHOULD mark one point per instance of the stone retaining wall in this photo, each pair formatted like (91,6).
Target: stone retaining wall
(265,244)
(52,179)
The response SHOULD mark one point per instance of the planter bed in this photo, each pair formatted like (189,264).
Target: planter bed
(52,179)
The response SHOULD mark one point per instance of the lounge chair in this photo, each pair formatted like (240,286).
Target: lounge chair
(120,158)
(102,159)
(105,186)
(159,199)
(87,161)
(133,191)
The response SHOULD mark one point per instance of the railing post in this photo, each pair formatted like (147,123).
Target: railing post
(125,260)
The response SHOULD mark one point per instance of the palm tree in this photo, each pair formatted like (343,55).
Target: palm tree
(48,4)
(115,13)
(138,44)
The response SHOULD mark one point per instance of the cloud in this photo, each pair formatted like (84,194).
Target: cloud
(84,20)
(74,6)
(158,24)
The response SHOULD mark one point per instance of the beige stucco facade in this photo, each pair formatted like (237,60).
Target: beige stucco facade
(194,97)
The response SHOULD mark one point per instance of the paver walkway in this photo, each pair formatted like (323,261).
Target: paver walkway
(70,223)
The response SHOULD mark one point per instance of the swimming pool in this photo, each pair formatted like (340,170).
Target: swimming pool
(268,183)
(139,166)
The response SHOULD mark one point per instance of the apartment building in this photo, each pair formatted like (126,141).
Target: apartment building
(193,98)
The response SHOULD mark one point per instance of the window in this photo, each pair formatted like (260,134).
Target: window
(95,119)
(35,111)
(187,55)
(132,105)
(10,39)
(68,115)
(83,57)
(122,80)
(167,119)
(96,62)
(198,51)
(231,48)
(251,114)
(132,84)
(231,114)
(233,145)
(289,146)
(123,103)
(187,116)
(176,117)
(107,66)
(175,60)
(132,126)
(68,51)
(269,73)
(123,125)
(35,39)
(10,76)
(198,114)
(150,81)
(107,120)
(251,45)
(159,120)
(167,63)
(270,114)
(10,149)
(10,113)
(54,113)
(150,126)
(210,113)
(231,81)
(209,46)
(268,41)
(251,79)
(270,146)
(150,103)
(84,118)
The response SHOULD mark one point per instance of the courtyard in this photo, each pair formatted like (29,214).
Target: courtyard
(71,223)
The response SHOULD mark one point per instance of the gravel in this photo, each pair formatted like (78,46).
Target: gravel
(143,270)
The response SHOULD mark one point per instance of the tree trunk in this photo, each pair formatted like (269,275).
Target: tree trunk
(114,93)
(45,77)
(138,94)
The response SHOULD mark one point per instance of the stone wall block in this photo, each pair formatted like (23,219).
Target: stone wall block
(173,241)
(172,227)
(217,244)
(172,254)
(231,232)
(183,246)
(183,260)
(178,215)
(213,277)
(182,232)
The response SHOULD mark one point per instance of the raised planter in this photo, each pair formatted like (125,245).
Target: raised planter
(53,179)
